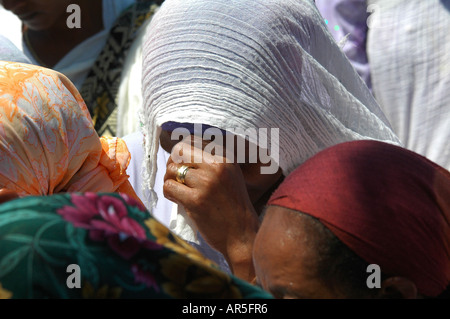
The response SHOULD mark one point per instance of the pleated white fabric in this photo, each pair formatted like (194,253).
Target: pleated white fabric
(409,53)
(254,64)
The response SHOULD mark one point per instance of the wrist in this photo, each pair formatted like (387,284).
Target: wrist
(239,255)
(241,264)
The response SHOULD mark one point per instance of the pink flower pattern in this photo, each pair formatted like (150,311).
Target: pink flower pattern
(145,277)
(106,218)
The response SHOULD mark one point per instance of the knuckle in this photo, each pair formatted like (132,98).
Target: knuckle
(172,167)
(168,187)
(199,199)
(221,172)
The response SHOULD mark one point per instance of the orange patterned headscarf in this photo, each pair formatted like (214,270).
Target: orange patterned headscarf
(48,143)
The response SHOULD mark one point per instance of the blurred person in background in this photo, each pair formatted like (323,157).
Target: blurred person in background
(409,52)
(400,49)
(347,22)
(91,43)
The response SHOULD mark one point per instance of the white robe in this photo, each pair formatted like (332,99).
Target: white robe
(409,54)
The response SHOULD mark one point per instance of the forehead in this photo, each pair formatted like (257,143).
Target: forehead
(282,226)
(284,255)
(283,238)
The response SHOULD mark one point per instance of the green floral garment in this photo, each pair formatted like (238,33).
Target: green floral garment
(102,246)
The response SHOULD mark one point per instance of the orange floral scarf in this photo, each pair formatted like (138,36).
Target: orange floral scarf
(48,143)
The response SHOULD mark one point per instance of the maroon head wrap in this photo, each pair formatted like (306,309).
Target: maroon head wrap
(389,205)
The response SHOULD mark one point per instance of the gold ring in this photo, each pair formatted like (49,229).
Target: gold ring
(181,173)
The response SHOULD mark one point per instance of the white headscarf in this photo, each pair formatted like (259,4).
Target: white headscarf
(254,64)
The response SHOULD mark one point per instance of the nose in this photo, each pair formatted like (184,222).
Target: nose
(11,5)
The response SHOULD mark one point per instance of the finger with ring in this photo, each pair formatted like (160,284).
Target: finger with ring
(181,174)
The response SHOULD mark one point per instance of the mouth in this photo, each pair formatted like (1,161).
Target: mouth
(26,16)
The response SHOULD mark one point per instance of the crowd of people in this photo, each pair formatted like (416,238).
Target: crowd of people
(225,149)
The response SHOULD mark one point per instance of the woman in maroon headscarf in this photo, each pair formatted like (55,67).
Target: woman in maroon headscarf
(362,219)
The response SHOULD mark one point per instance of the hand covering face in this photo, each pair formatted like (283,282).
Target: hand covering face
(48,143)
(389,205)
(250,64)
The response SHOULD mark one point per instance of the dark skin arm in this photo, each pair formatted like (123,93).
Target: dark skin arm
(216,199)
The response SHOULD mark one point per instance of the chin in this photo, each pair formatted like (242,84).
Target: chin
(38,23)
(37,26)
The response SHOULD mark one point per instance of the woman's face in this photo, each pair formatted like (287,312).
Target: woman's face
(258,185)
(284,259)
(38,14)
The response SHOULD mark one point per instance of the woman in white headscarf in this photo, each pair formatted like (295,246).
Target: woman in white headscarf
(244,64)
